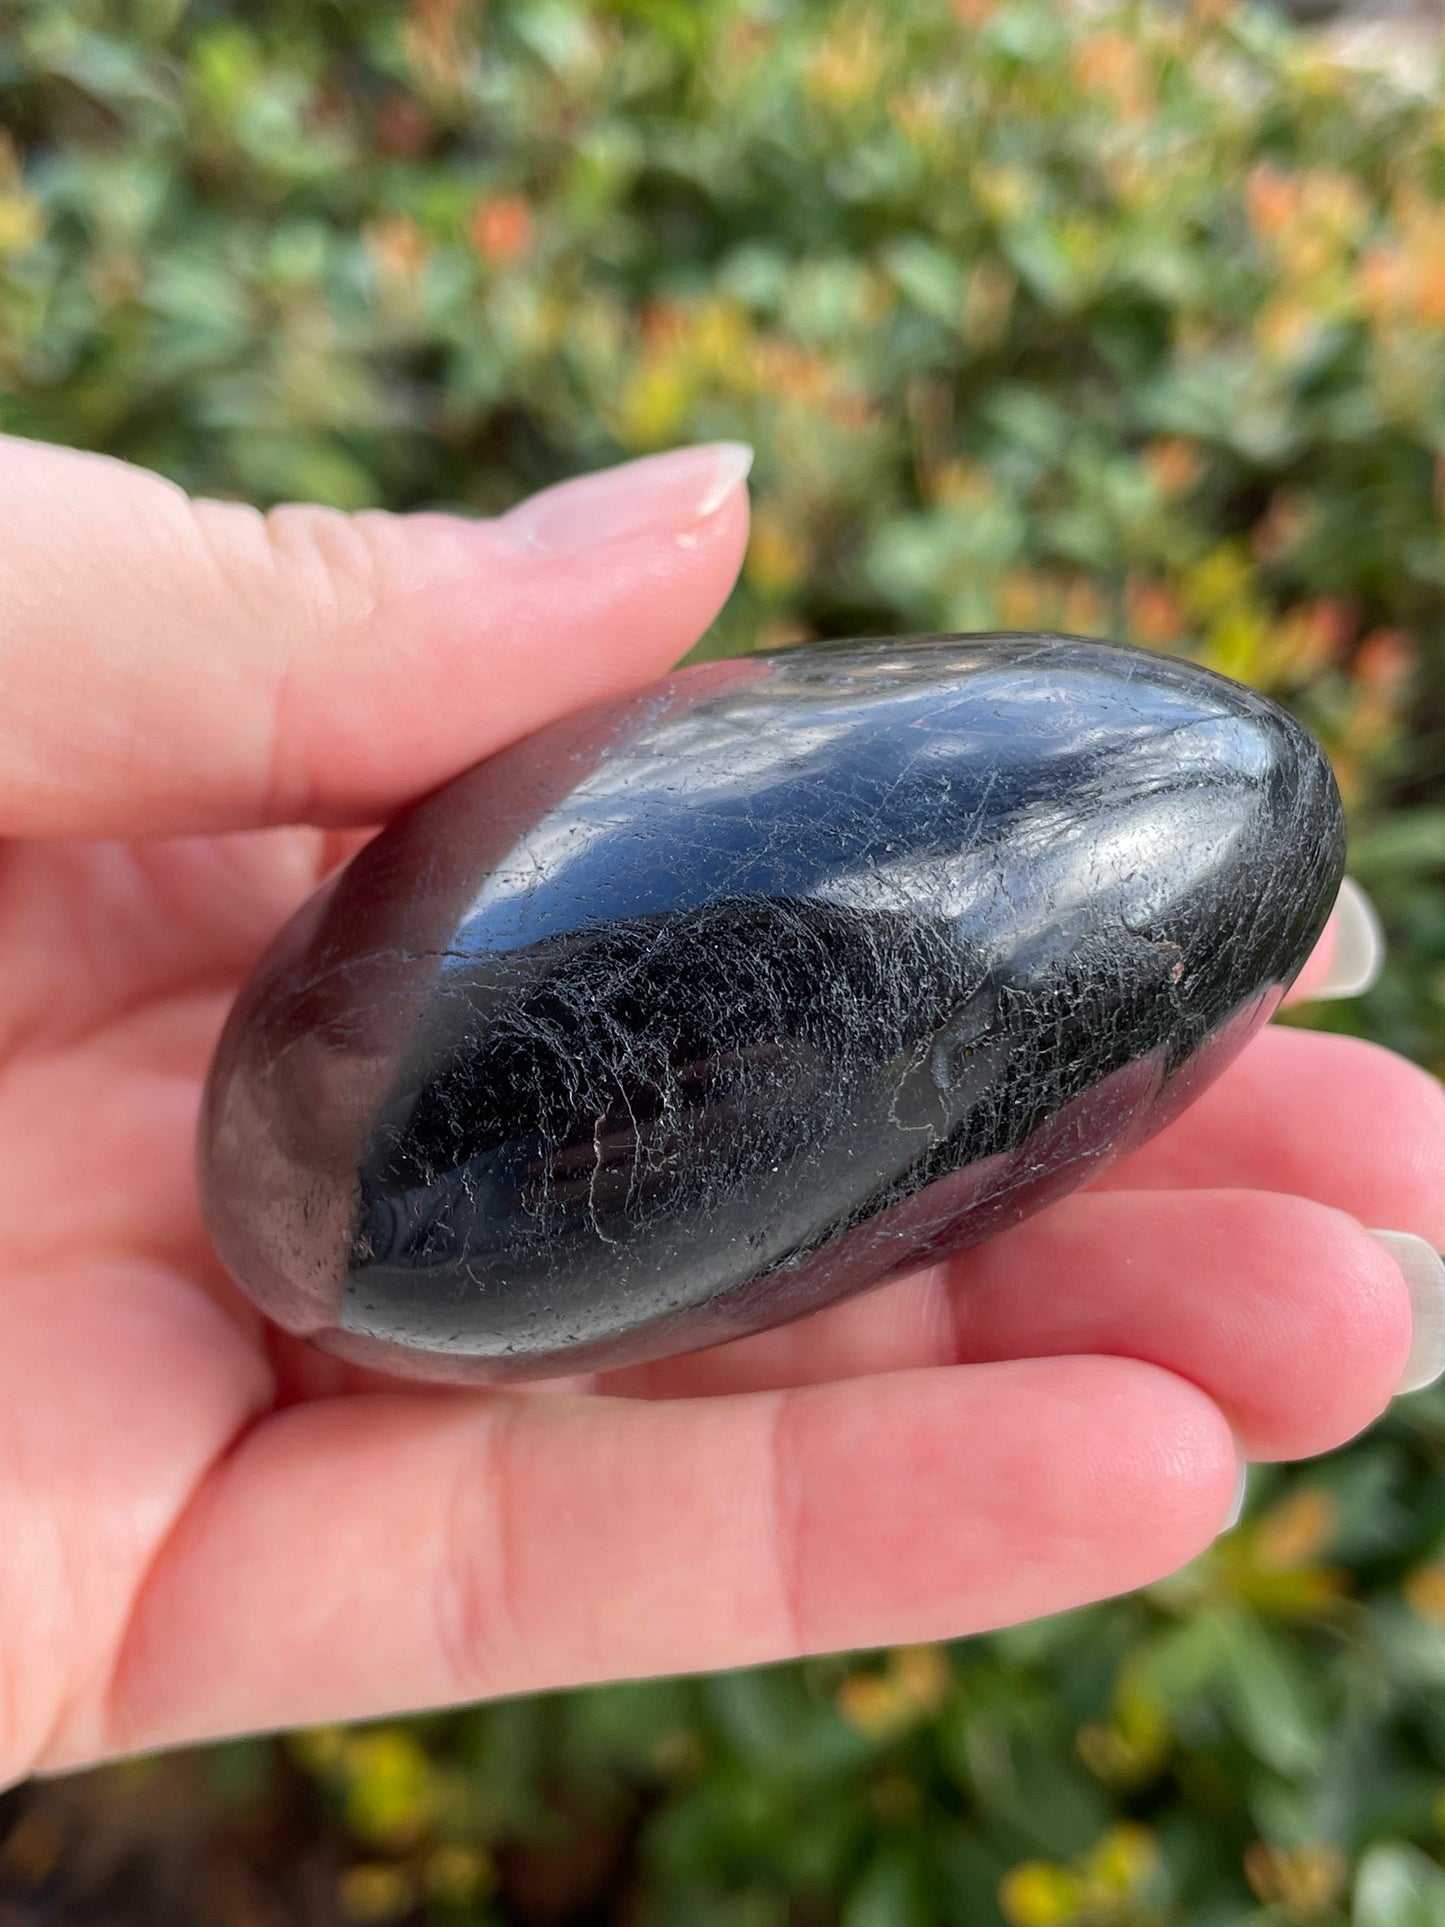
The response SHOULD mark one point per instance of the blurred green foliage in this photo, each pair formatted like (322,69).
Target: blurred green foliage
(1117,320)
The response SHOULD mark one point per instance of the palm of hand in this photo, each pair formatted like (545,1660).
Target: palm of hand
(212,1528)
(122,960)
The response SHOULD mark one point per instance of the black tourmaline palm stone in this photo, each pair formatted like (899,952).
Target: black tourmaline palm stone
(703,1008)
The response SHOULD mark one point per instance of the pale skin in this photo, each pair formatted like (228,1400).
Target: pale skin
(209,1528)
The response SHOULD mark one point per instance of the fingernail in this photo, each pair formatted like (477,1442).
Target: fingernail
(1236,1504)
(1359,945)
(672,491)
(1424,1272)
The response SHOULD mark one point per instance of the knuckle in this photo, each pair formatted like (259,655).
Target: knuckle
(305,567)
(300,581)
(337,562)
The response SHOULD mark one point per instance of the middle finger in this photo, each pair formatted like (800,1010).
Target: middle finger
(1293,1319)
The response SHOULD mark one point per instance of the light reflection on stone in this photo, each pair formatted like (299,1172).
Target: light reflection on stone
(701,1009)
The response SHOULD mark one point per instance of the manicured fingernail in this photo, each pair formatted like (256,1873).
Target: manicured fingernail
(1359,945)
(1236,1504)
(665,492)
(1424,1271)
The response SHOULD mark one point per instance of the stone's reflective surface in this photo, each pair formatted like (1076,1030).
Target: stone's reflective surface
(701,1009)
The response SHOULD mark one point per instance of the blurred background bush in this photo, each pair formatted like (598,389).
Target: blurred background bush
(1118,320)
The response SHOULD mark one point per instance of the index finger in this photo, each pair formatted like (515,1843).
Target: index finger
(170,666)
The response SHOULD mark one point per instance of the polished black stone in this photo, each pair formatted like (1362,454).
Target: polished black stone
(708,1006)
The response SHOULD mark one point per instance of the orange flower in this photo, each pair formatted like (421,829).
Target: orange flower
(1287,329)
(1404,278)
(1312,635)
(402,125)
(914,1684)
(1384,660)
(1174,463)
(434,41)
(1111,68)
(792,372)
(397,247)
(1021,599)
(663,327)
(1297,1530)
(1271,201)
(501,228)
(1406,284)
(1280,528)
(1156,615)
(746,39)
(1085,612)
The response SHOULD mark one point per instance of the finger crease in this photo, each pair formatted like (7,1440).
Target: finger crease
(479,1623)
(787,1509)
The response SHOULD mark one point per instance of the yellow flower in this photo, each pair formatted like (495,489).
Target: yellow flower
(918,111)
(1122,1863)
(22,221)
(1114,1873)
(777,556)
(719,338)
(654,402)
(1040,1894)
(322,1748)
(914,1683)
(847,66)
(1222,578)
(923,1675)
(1424,1591)
(391,1787)
(1287,328)
(987,303)
(375,1892)
(1302,1880)
(456,1874)
(968,484)
(1003,192)
(1132,1746)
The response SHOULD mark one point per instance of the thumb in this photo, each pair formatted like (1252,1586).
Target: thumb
(173,666)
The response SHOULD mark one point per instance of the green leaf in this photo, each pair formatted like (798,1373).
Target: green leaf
(1398,1887)
(1267,1688)
(927,276)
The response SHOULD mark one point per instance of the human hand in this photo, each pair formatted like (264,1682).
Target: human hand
(210,1528)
